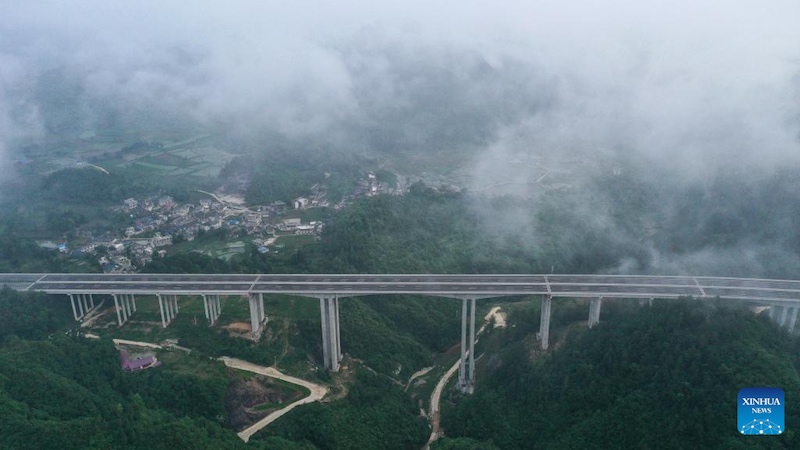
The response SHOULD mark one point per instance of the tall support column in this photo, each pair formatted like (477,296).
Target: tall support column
(544,322)
(773,312)
(175,300)
(471,372)
(462,363)
(168,308)
(333,329)
(262,316)
(254,323)
(82,299)
(792,319)
(91,300)
(330,333)
(205,305)
(784,315)
(466,366)
(74,311)
(80,307)
(133,301)
(161,307)
(116,306)
(123,303)
(326,358)
(339,353)
(594,311)
(219,308)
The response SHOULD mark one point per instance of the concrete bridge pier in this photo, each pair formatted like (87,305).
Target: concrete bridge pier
(212,307)
(544,321)
(84,302)
(773,314)
(792,319)
(168,307)
(594,311)
(331,340)
(122,315)
(161,308)
(129,304)
(466,368)
(75,314)
(784,315)
(257,316)
(262,315)
(81,310)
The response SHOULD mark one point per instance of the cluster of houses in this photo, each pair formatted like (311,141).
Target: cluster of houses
(157,221)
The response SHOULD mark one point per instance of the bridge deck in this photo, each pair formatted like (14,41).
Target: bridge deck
(477,286)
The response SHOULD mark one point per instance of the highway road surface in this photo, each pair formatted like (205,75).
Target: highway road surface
(459,286)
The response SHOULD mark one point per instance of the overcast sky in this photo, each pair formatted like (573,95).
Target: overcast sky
(693,88)
(677,80)
(662,76)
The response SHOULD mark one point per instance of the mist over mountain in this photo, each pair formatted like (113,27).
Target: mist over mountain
(669,128)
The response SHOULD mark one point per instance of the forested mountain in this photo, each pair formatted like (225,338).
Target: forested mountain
(658,377)
(675,364)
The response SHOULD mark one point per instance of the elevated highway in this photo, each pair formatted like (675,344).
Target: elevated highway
(782,295)
(478,286)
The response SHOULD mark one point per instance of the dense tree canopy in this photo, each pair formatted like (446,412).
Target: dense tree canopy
(664,376)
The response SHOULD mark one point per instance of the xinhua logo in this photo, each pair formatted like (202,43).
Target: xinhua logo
(760,411)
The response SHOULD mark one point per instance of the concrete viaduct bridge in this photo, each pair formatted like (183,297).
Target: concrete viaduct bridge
(783,296)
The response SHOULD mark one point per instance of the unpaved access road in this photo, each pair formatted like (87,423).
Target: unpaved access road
(317,392)
(436,396)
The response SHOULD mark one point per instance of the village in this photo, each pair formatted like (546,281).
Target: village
(157,222)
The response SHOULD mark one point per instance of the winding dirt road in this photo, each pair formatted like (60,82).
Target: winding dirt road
(436,396)
(317,392)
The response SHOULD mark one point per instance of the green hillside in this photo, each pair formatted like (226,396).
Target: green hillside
(660,377)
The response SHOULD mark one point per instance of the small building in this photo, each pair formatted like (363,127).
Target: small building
(166,202)
(138,363)
(300,203)
(160,241)
(291,224)
(304,229)
(182,210)
(131,203)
